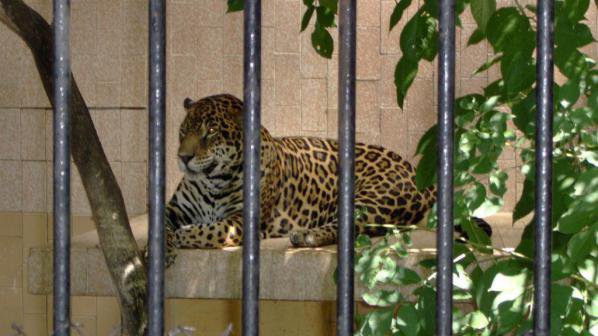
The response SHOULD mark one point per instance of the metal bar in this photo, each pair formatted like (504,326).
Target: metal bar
(156,158)
(251,166)
(62,168)
(346,182)
(446,97)
(543,210)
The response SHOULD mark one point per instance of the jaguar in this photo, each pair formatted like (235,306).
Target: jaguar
(298,186)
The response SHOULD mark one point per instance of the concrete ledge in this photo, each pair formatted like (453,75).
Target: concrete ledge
(286,273)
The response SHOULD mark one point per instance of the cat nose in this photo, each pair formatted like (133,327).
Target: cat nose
(185,158)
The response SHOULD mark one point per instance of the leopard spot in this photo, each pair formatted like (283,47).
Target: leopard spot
(372,156)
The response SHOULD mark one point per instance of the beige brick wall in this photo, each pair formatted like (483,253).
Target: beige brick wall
(299,90)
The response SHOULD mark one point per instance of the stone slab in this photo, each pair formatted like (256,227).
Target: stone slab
(286,273)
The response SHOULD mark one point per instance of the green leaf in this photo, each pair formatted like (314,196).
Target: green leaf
(476,37)
(461,279)
(560,267)
(499,293)
(477,320)
(482,10)
(429,43)
(477,235)
(331,5)
(309,12)
(518,71)
(590,156)
(363,240)
(467,143)
(593,102)
(463,118)
(322,41)
(589,270)
(489,63)
(593,330)
(475,196)
(406,276)
(571,62)
(494,88)
(574,10)
(572,35)
(582,243)
(324,17)
(425,175)
(511,278)
(483,165)
(427,142)
(397,13)
(498,185)
(509,314)
(426,309)
(504,27)
(592,308)
(419,38)
(568,94)
(426,171)
(526,245)
(377,322)
(406,318)
(583,211)
(382,298)
(234,5)
(429,263)
(430,7)
(524,112)
(561,298)
(573,220)
(470,102)
(489,104)
(525,205)
(410,37)
(405,73)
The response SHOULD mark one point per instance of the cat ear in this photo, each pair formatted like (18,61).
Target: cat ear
(187,103)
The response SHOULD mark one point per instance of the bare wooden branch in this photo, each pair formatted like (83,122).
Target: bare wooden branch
(116,239)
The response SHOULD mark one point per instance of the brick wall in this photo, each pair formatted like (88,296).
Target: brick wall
(299,90)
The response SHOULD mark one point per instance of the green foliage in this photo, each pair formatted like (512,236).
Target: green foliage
(485,125)
(497,284)
(397,12)
(325,11)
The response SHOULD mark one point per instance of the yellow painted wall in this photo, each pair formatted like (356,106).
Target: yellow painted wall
(99,315)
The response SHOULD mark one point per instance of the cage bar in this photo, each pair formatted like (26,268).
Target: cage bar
(156,158)
(446,97)
(251,166)
(543,210)
(346,181)
(62,168)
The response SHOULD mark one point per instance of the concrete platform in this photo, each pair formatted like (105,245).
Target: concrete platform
(286,273)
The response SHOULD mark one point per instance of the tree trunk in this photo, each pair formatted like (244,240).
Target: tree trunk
(116,238)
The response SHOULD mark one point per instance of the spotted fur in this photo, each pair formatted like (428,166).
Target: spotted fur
(298,189)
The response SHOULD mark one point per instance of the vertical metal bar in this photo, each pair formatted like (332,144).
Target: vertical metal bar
(156,104)
(62,168)
(543,211)
(251,166)
(346,181)
(446,96)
